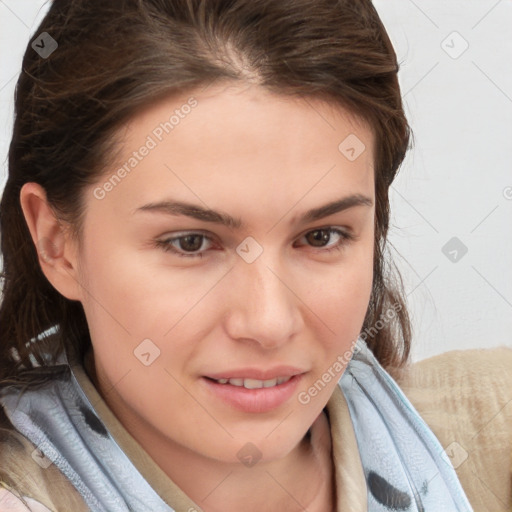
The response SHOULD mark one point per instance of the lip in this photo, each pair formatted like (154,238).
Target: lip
(254,400)
(256,373)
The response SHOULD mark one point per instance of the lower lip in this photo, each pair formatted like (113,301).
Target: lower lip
(254,400)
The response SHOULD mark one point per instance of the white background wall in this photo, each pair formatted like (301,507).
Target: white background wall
(455,182)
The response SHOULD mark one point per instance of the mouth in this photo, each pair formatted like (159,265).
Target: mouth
(253,395)
(254,383)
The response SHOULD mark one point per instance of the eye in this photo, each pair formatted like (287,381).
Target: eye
(191,244)
(188,242)
(321,236)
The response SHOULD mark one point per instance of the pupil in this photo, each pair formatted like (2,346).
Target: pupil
(188,241)
(320,235)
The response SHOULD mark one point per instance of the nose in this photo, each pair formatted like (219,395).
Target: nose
(263,308)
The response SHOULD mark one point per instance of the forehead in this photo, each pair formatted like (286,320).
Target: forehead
(248,114)
(233,144)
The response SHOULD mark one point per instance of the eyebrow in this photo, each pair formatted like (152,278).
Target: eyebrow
(178,208)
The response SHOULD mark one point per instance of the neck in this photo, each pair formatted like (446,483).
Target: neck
(303,480)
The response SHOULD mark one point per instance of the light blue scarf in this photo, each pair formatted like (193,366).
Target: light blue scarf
(403,462)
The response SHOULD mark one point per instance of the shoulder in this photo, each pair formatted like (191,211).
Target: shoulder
(465,397)
(471,382)
(9,500)
(489,363)
(484,372)
(28,480)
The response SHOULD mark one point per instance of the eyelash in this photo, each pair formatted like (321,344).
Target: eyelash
(167,247)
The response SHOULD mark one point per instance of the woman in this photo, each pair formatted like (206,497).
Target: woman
(247,370)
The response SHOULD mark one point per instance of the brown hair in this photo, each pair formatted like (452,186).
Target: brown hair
(114,57)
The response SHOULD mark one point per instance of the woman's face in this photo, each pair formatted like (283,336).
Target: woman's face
(178,298)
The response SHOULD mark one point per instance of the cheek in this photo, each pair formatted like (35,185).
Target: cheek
(129,301)
(342,296)
(342,303)
(118,303)
(124,292)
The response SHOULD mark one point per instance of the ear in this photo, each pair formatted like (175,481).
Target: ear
(56,250)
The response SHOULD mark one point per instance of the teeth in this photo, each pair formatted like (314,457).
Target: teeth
(254,383)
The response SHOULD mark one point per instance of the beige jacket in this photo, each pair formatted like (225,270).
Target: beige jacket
(464,396)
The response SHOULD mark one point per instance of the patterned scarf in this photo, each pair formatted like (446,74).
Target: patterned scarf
(403,462)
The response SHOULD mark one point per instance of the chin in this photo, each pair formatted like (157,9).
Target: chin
(267,446)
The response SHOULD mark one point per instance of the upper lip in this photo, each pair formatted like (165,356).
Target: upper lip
(256,373)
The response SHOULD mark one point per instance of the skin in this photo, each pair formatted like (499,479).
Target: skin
(9,502)
(266,159)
